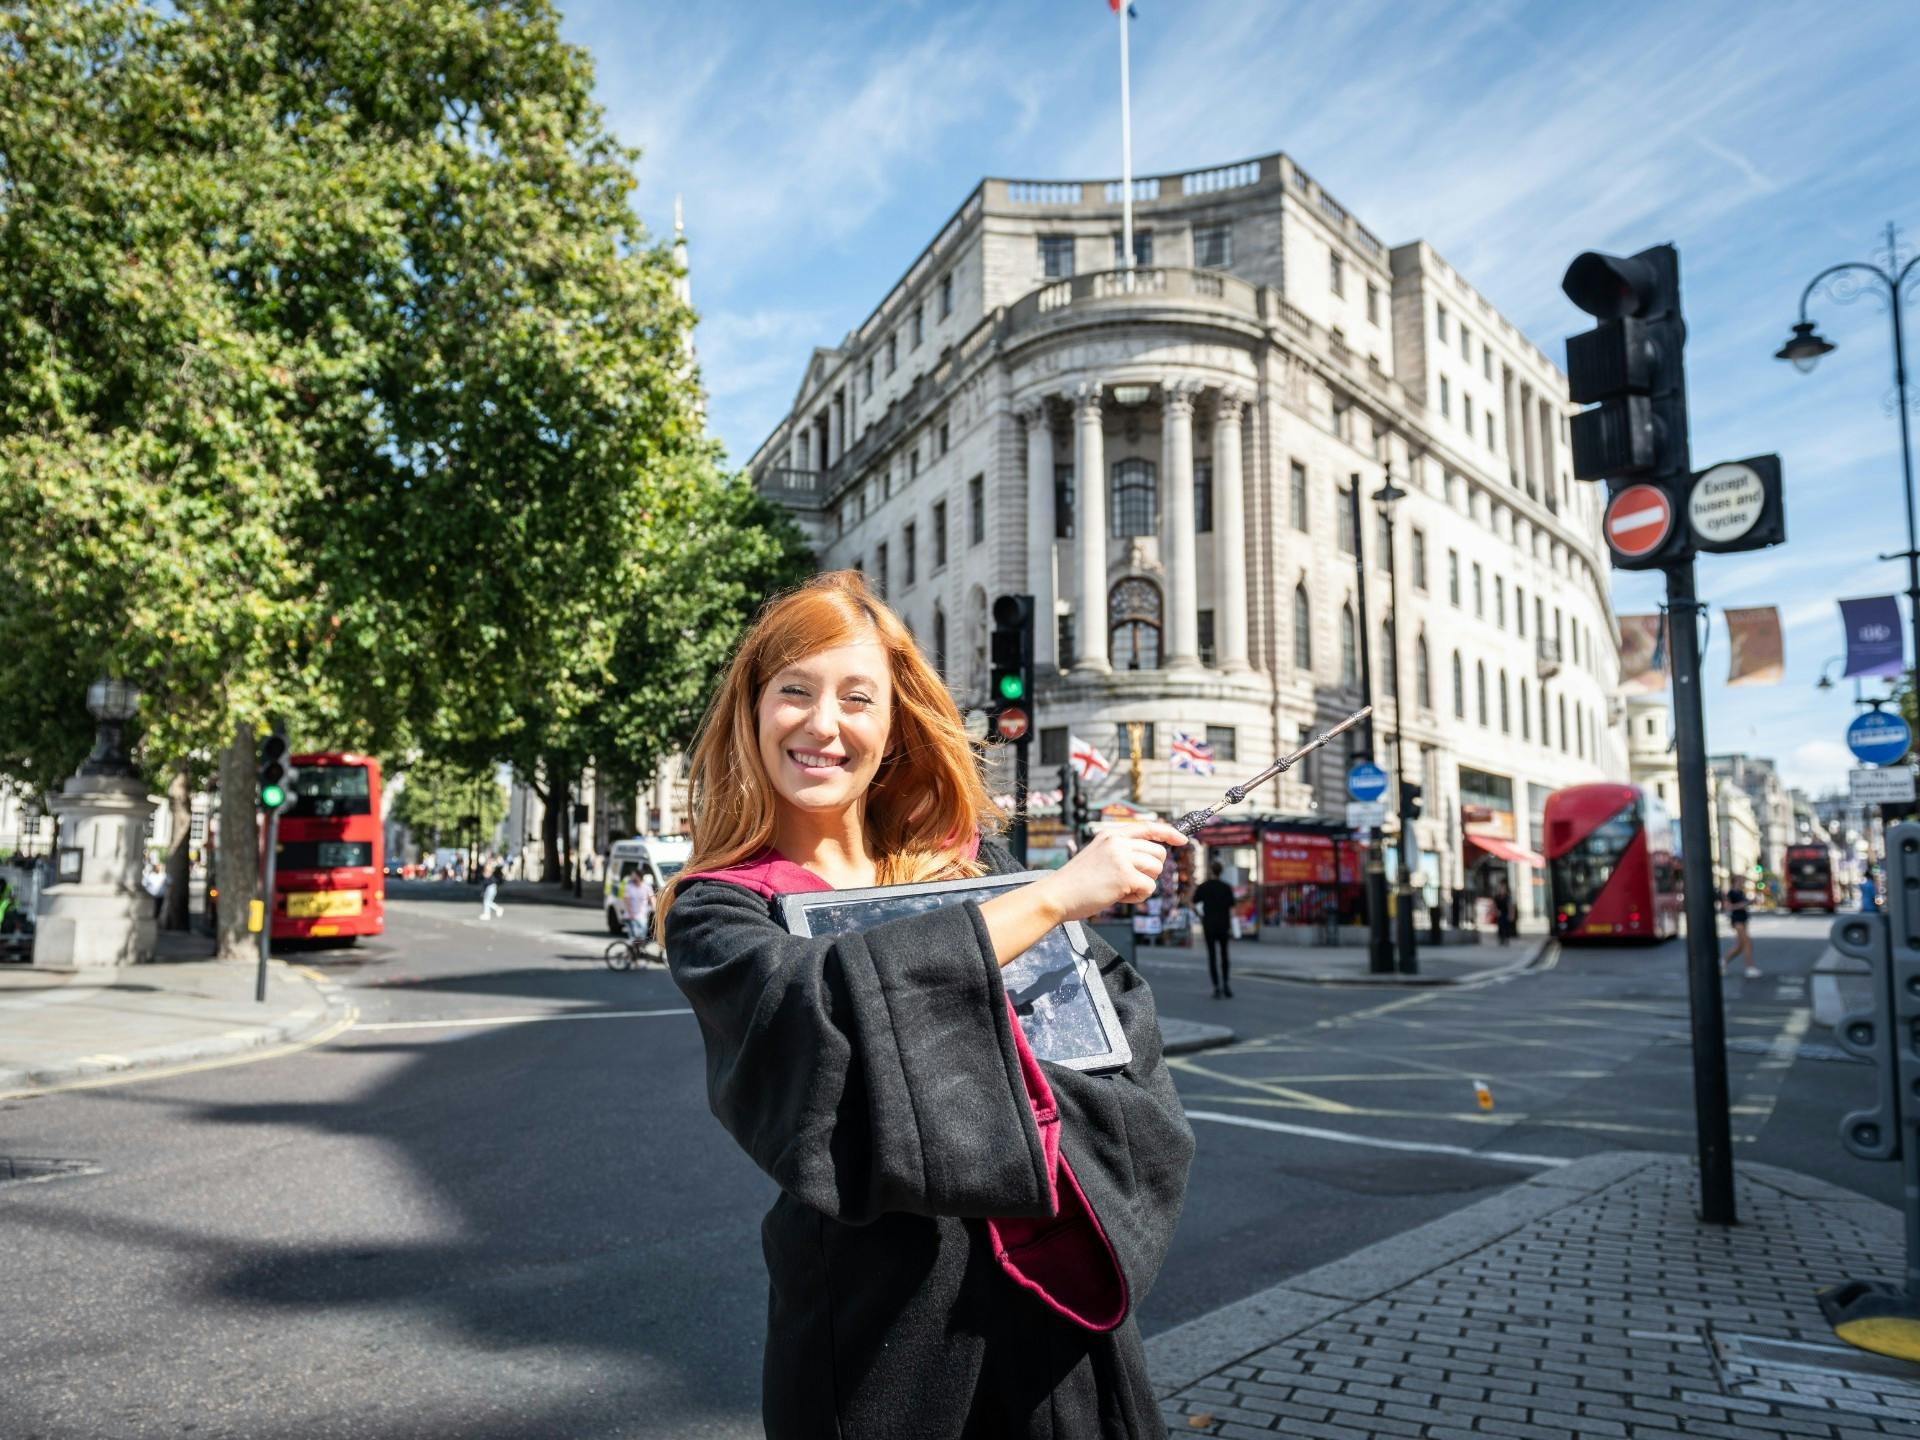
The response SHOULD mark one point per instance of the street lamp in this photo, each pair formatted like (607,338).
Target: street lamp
(1846,282)
(112,702)
(1403,924)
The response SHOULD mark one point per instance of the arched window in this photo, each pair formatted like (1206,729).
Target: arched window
(1459,689)
(1506,719)
(1389,661)
(1134,499)
(1480,687)
(1133,624)
(1526,715)
(1422,679)
(1302,629)
(1349,648)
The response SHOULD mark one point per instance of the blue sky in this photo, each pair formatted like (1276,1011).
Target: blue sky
(819,146)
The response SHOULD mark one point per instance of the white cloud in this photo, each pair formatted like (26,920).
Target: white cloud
(1817,766)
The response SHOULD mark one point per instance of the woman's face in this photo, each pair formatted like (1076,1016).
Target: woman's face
(823,725)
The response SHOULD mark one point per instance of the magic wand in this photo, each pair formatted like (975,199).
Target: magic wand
(1194,819)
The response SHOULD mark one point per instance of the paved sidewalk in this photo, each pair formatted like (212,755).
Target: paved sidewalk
(1347,964)
(57,1028)
(1586,1302)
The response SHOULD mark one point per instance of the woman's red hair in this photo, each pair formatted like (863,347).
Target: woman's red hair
(927,801)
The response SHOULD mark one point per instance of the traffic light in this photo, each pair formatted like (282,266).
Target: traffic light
(1630,368)
(1067,791)
(277,772)
(1410,801)
(1011,702)
(1082,822)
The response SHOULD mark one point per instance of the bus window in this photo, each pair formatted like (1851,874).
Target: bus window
(323,791)
(323,854)
(1579,875)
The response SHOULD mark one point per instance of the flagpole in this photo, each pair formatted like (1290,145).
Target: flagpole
(1126,153)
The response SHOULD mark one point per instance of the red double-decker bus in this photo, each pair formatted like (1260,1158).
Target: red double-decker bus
(328,877)
(1810,879)
(1612,873)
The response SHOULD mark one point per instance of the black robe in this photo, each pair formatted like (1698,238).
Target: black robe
(935,1272)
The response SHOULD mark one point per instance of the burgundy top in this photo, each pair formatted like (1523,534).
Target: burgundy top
(1063,1258)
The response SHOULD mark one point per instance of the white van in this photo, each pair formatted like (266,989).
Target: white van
(661,856)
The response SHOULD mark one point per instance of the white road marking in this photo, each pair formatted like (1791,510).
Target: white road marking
(479,1021)
(1341,1137)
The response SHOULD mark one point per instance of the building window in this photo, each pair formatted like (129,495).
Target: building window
(1422,674)
(913,463)
(1382,541)
(1135,508)
(1373,303)
(1440,322)
(866,380)
(1297,494)
(1302,630)
(1063,636)
(1206,637)
(919,326)
(1212,246)
(1459,688)
(976,510)
(880,569)
(1500,601)
(940,641)
(1579,733)
(1220,739)
(1480,687)
(1336,272)
(1479,593)
(946,296)
(1349,648)
(909,549)
(1142,249)
(893,353)
(1419,559)
(1466,345)
(1506,721)
(939,535)
(1343,535)
(1053,745)
(1063,502)
(1056,256)
(1133,624)
(1446,398)
(1486,360)
(1389,661)
(1561,706)
(1466,415)
(943,438)
(1453,577)
(1526,715)
(1202,497)
(1488,417)
(1546,730)
(1520,610)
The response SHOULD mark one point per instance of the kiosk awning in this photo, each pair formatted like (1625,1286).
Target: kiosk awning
(1507,850)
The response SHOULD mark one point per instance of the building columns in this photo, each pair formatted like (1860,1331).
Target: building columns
(1182,560)
(1229,537)
(1090,533)
(1040,527)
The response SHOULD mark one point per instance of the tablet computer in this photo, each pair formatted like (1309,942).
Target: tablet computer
(1056,989)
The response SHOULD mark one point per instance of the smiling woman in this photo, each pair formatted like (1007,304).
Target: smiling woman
(939,1267)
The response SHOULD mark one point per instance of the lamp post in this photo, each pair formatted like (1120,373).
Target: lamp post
(112,702)
(1846,282)
(1403,918)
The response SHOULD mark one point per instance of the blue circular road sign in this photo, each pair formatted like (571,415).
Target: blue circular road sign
(1366,781)
(1878,738)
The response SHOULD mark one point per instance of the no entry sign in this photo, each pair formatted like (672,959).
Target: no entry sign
(1639,520)
(1012,723)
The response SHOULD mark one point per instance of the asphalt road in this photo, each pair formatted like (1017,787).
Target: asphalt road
(497,1207)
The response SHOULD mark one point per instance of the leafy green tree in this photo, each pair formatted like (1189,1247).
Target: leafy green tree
(442,802)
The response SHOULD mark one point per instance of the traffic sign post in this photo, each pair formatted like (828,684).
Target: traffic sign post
(1880,787)
(1638,524)
(1366,781)
(1879,738)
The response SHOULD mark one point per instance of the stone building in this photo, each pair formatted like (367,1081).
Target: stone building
(1178,460)
(1772,805)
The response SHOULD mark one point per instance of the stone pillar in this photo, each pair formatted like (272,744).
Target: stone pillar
(102,918)
(1046,625)
(1182,563)
(836,429)
(1090,532)
(1229,537)
(1527,440)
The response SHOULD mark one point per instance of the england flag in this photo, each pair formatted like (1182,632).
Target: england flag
(1192,754)
(1088,761)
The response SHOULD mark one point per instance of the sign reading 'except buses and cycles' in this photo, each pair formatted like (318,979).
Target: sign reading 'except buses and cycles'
(1880,787)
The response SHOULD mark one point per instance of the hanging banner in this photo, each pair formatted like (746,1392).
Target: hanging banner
(1758,652)
(1876,645)
(1643,656)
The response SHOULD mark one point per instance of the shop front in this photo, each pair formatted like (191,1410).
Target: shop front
(1492,858)
(1294,877)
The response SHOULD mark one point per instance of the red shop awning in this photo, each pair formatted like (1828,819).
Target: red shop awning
(1507,850)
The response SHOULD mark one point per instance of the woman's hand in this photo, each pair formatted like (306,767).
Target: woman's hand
(1121,865)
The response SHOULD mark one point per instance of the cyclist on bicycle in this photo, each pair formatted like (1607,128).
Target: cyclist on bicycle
(637,896)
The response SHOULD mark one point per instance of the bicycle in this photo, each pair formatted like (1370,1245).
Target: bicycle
(626,953)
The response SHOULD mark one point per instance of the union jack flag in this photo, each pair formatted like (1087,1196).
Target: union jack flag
(1192,754)
(1088,761)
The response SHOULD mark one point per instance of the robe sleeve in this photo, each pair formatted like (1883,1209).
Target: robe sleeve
(864,1073)
(1125,1148)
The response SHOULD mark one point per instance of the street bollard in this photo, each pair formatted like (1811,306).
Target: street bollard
(1875,1315)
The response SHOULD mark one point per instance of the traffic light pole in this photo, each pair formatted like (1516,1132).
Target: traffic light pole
(1379,941)
(1710,1098)
(266,905)
(1017,835)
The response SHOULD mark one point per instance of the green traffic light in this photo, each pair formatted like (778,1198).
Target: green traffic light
(272,797)
(1011,688)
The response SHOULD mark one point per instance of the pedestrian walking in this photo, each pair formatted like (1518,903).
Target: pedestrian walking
(1215,900)
(153,880)
(1503,925)
(1742,939)
(939,1268)
(489,893)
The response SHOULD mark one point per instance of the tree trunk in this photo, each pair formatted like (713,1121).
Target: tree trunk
(239,855)
(550,807)
(179,906)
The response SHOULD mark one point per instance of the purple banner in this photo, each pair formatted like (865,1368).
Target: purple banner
(1876,644)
